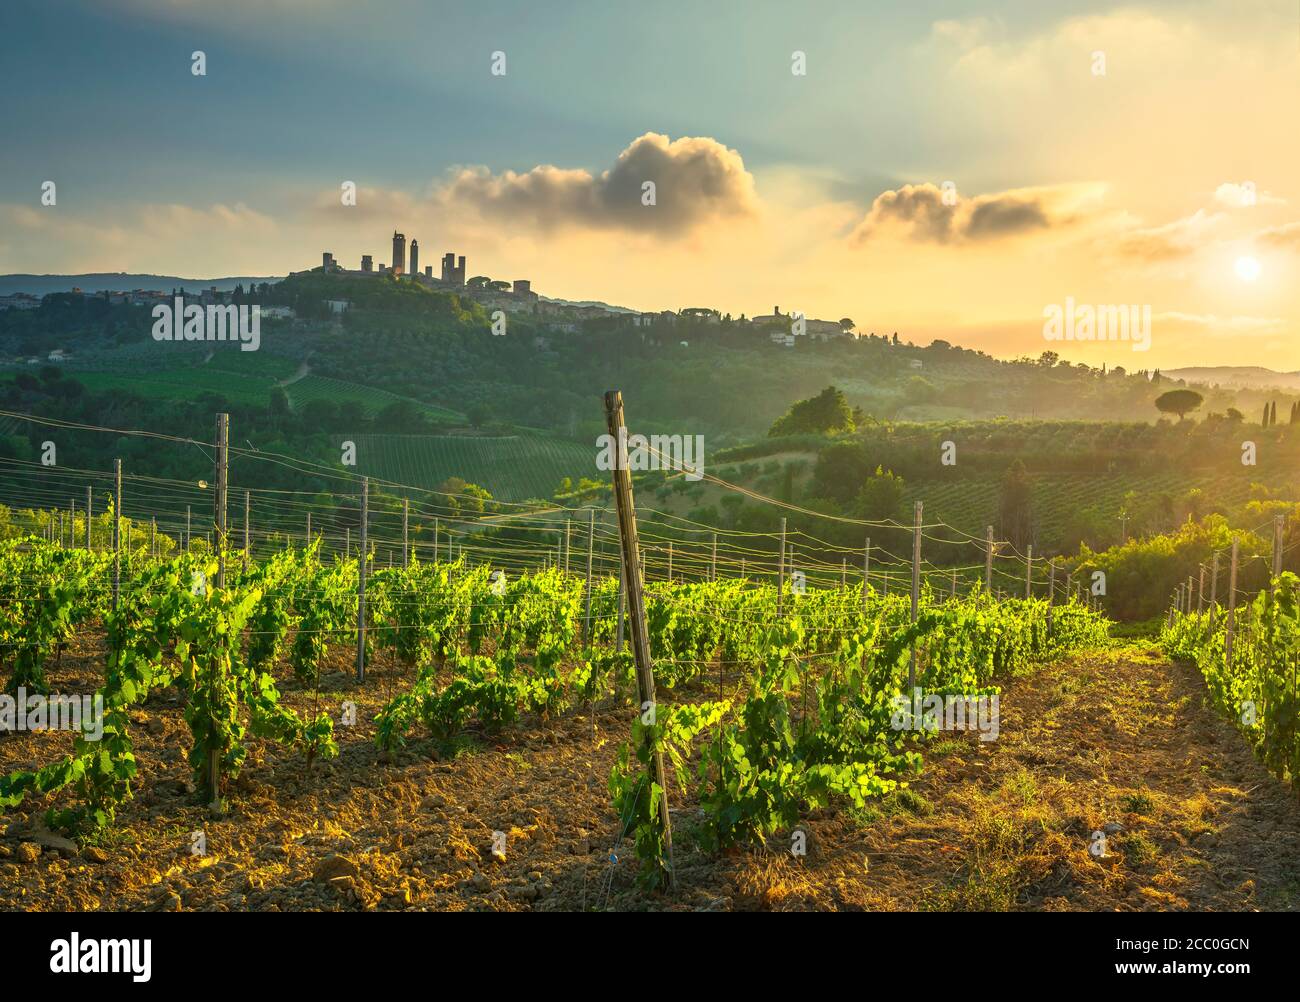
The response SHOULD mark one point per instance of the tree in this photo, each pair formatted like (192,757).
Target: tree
(826,413)
(478,415)
(840,471)
(919,390)
(279,407)
(464,500)
(1272,414)
(1015,515)
(400,415)
(1178,402)
(881,497)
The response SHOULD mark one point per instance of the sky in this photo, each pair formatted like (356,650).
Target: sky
(944,170)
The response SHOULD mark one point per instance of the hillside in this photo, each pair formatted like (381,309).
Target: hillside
(1240,376)
(725,380)
(117,281)
(513,468)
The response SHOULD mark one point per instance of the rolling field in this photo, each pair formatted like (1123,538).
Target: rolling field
(514,468)
(245,378)
(312,387)
(169,384)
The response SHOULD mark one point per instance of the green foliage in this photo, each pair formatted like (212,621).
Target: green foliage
(1015,506)
(1179,402)
(814,727)
(827,413)
(173,627)
(1143,573)
(881,496)
(1257,688)
(48,591)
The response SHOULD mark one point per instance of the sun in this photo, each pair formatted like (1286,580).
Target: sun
(1247,269)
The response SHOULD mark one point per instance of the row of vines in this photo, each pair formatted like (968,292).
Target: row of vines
(1255,687)
(764,716)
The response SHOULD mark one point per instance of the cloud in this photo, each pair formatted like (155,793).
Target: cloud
(1173,240)
(1244,195)
(1287,235)
(697,180)
(1170,241)
(1213,325)
(919,212)
(163,237)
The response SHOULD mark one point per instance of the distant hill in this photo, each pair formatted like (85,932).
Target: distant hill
(1242,376)
(117,281)
(588,302)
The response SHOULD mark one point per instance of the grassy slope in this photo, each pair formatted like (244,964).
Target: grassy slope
(247,379)
(513,468)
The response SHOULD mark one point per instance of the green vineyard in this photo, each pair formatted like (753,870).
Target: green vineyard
(512,468)
(789,698)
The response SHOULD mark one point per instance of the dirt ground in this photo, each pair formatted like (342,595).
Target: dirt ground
(1116,741)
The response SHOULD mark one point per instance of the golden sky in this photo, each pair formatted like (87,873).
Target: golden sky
(1171,181)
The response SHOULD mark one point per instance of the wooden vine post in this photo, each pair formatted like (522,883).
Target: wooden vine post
(362,556)
(916,589)
(219,524)
(1277,548)
(117,532)
(591,545)
(1051,592)
(780,572)
(1214,587)
(1232,607)
(630,545)
(988,559)
(866,571)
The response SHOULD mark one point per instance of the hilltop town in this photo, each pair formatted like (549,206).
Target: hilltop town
(517,297)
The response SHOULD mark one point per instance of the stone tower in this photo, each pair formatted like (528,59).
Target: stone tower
(453,273)
(399,252)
